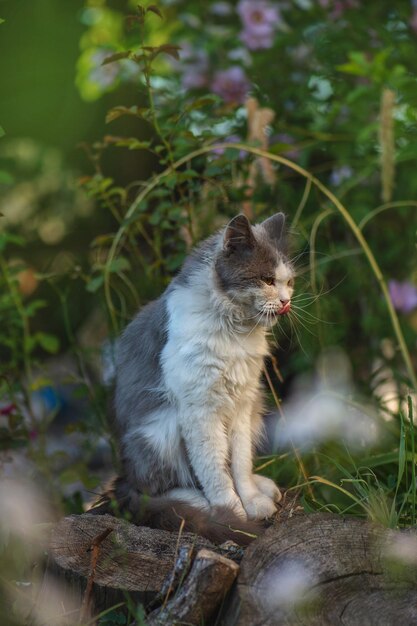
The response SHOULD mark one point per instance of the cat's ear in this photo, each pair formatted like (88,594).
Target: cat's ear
(238,234)
(275,226)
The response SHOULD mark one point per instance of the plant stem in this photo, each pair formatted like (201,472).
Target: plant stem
(303,172)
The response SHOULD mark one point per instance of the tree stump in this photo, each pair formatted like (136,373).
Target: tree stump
(202,592)
(131,558)
(326,570)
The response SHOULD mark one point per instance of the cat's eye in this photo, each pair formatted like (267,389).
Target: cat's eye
(290,282)
(269,280)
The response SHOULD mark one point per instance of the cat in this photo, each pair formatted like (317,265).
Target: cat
(188,396)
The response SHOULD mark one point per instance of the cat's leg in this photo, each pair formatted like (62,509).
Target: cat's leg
(194,497)
(267,487)
(208,451)
(257,503)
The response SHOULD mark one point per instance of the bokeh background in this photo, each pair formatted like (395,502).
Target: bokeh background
(116,157)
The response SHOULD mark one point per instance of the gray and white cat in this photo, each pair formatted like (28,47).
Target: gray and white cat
(188,389)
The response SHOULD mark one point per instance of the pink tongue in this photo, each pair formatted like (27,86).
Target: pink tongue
(285,309)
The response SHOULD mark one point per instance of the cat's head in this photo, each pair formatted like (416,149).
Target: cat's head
(253,270)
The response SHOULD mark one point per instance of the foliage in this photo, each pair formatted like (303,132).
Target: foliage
(306,106)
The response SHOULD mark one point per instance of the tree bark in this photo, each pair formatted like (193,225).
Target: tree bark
(326,570)
(104,557)
(201,593)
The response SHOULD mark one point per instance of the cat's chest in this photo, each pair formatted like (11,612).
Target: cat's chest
(202,357)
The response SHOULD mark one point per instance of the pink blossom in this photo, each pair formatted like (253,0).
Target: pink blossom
(413,21)
(231,84)
(338,7)
(260,19)
(231,139)
(8,409)
(193,67)
(403,295)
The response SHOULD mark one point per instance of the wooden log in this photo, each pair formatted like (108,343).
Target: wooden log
(326,570)
(200,594)
(108,557)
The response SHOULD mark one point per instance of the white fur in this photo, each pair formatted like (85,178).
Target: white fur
(211,374)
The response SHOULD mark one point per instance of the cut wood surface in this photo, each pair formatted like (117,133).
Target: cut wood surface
(130,558)
(326,570)
(201,593)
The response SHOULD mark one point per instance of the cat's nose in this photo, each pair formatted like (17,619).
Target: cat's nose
(284,302)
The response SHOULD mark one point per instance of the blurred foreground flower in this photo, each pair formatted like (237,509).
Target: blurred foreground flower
(231,84)
(260,19)
(285,585)
(403,295)
(28,594)
(22,507)
(324,410)
(402,548)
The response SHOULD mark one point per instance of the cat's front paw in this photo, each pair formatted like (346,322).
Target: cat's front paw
(260,507)
(267,487)
(232,502)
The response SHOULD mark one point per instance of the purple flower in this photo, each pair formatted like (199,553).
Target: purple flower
(403,295)
(338,7)
(285,138)
(230,139)
(231,84)
(260,19)
(193,67)
(413,21)
(340,174)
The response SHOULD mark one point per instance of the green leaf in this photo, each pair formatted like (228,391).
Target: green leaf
(6,178)
(2,132)
(101,240)
(48,342)
(154,9)
(130,142)
(117,57)
(165,48)
(119,264)
(118,111)
(95,283)
(202,102)
(401,453)
(34,306)
(6,238)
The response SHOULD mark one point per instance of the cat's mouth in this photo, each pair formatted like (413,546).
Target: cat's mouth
(285,309)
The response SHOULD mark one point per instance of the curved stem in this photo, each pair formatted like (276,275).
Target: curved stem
(384,207)
(325,191)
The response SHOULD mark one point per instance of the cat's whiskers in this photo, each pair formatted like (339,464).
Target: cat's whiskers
(294,328)
(312,319)
(297,316)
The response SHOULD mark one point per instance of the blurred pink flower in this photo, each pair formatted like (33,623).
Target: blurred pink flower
(338,7)
(403,295)
(413,21)
(260,19)
(231,84)
(231,139)
(285,138)
(193,67)
(7,409)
